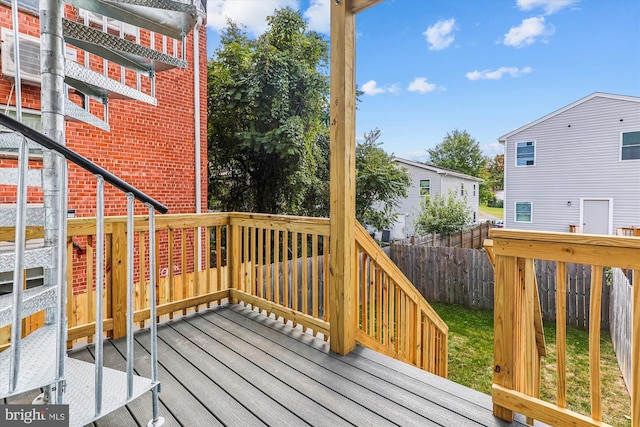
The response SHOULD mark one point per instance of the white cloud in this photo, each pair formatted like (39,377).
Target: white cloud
(416,156)
(439,35)
(527,32)
(421,85)
(318,15)
(497,74)
(252,16)
(371,88)
(549,6)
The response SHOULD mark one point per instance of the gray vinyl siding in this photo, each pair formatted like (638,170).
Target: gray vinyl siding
(577,156)
(410,206)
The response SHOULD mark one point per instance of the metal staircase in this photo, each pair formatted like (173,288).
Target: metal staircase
(38,360)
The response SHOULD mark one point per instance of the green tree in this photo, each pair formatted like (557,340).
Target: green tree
(495,172)
(267,104)
(460,152)
(442,214)
(380,183)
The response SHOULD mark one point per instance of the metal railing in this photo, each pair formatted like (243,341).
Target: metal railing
(132,193)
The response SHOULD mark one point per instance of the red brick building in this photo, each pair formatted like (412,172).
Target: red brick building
(160,149)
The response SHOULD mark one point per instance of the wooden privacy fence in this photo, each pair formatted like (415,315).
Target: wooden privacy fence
(465,277)
(470,238)
(516,379)
(621,307)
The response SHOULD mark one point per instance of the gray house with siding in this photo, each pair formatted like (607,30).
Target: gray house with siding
(578,166)
(427,179)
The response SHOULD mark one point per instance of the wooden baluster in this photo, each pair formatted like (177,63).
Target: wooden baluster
(294,273)
(172,280)
(314,277)
(561,333)
(286,300)
(183,268)
(594,342)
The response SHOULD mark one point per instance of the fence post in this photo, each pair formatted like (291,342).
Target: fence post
(118,282)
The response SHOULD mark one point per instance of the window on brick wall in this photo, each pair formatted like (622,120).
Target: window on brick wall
(30,118)
(30,5)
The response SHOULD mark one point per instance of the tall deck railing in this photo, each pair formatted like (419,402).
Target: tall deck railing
(393,317)
(516,378)
(277,264)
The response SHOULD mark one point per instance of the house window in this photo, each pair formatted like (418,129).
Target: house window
(31,118)
(30,5)
(523,212)
(630,145)
(425,187)
(474,217)
(526,153)
(474,190)
(462,188)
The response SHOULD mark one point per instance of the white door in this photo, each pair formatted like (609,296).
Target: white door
(400,227)
(596,216)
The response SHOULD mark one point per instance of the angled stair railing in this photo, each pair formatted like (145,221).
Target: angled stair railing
(393,316)
(39,360)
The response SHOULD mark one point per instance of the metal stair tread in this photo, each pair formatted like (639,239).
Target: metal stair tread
(13,139)
(169,17)
(74,112)
(80,388)
(33,300)
(34,217)
(9,176)
(37,362)
(33,258)
(118,50)
(97,84)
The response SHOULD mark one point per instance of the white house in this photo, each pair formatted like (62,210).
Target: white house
(427,179)
(579,165)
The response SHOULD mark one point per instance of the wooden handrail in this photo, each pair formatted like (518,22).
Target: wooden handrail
(516,342)
(395,319)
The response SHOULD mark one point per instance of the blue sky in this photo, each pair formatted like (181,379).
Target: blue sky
(484,66)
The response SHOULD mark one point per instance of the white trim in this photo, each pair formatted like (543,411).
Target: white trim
(608,199)
(437,169)
(621,134)
(515,213)
(534,142)
(504,138)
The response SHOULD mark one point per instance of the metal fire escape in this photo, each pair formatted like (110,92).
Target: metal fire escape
(38,360)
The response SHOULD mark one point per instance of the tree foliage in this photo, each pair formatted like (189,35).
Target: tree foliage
(460,152)
(442,214)
(267,104)
(380,183)
(495,172)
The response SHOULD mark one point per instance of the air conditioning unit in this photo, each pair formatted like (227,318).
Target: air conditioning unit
(29,57)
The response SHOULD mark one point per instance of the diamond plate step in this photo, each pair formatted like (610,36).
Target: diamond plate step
(32,258)
(168,17)
(80,393)
(12,140)
(98,85)
(33,300)
(9,176)
(37,362)
(75,113)
(117,50)
(34,218)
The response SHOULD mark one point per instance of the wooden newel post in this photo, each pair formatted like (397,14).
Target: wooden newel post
(504,334)
(116,288)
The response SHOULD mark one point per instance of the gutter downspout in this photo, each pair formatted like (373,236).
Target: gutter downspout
(196,124)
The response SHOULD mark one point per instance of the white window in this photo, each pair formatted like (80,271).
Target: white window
(462,188)
(474,189)
(526,153)
(523,212)
(31,118)
(630,146)
(425,187)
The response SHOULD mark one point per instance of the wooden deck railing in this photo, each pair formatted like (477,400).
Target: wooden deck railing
(393,317)
(516,358)
(628,231)
(279,264)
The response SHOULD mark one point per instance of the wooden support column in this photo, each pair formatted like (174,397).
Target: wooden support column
(342,268)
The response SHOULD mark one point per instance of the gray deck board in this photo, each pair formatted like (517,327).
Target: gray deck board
(232,366)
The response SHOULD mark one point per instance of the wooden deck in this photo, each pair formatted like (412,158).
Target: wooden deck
(232,366)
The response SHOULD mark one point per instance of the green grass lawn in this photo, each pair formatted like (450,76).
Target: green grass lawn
(471,362)
(498,212)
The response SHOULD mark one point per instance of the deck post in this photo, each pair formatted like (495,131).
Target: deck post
(342,290)
(506,282)
(118,282)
